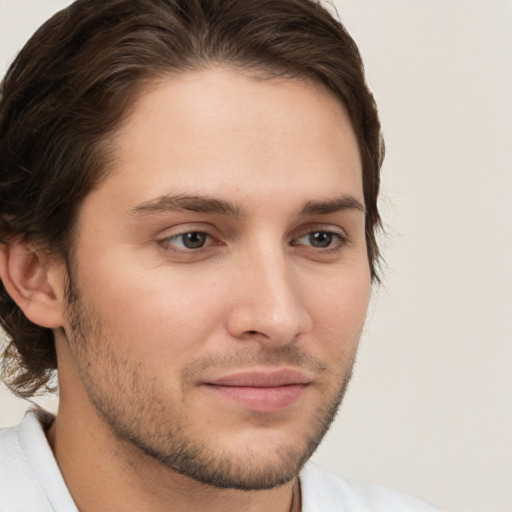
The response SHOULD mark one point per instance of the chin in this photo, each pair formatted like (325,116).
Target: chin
(263,463)
(251,472)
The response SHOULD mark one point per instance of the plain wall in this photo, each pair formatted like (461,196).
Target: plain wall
(429,408)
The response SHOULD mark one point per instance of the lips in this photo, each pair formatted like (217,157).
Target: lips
(259,390)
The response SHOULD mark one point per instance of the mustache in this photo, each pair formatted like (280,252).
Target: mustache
(288,355)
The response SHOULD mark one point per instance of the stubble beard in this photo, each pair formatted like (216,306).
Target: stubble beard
(140,413)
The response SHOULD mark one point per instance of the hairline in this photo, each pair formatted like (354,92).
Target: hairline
(109,151)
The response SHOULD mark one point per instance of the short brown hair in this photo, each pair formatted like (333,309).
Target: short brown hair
(75,79)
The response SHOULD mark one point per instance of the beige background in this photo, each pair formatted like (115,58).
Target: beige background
(430,410)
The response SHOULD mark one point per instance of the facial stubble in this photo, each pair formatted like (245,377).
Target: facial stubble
(139,411)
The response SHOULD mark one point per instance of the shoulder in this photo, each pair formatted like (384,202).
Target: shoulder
(16,478)
(323,491)
(29,476)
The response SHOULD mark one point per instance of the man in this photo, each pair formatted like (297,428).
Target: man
(188,214)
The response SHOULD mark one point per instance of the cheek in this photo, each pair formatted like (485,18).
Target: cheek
(339,310)
(153,310)
(159,309)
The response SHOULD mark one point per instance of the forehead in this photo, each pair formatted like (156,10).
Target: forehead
(221,131)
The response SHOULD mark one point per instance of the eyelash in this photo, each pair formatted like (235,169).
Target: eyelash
(339,240)
(167,243)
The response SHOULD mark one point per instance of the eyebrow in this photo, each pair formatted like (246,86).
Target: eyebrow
(191,203)
(205,204)
(344,202)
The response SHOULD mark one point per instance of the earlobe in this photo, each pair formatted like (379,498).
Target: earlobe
(26,277)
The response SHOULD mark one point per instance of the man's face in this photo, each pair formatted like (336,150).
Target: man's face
(221,278)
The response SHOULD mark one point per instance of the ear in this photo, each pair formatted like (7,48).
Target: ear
(33,282)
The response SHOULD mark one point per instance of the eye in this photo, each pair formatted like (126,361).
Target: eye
(190,240)
(321,240)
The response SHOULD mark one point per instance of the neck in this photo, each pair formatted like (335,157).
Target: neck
(104,472)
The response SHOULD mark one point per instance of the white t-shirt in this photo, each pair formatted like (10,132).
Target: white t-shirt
(30,481)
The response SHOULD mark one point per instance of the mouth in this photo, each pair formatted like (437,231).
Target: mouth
(261,391)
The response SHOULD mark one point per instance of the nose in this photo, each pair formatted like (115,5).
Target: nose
(267,303)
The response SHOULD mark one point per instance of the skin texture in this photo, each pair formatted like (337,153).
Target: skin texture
(281,283)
